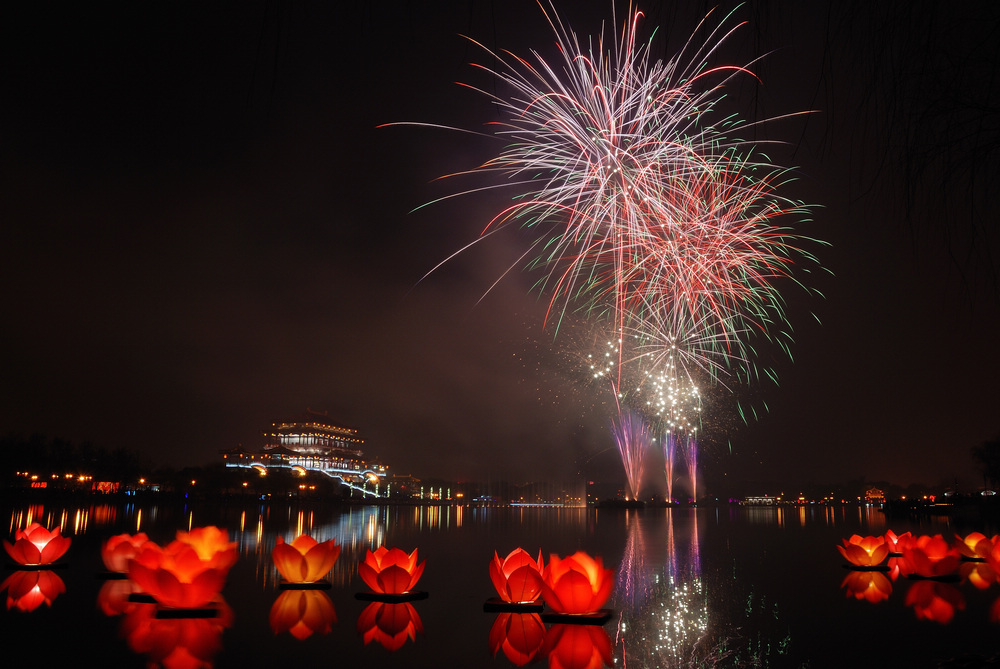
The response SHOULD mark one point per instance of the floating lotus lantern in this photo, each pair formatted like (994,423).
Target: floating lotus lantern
(519,635)
(576,585)
(931,556)
(302,613)
(577,647)
(933,600)
(175,642)
(897,543)
(975,546)
(389,623)
(518,577)
(36,546)
(188,573)
(872,586)
(304,560)
(119,549)
(864,552)
(391,571)
(29,589)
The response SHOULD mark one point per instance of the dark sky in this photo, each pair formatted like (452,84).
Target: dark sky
(205,230)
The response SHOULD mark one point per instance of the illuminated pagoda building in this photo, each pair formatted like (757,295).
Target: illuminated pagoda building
(313,442)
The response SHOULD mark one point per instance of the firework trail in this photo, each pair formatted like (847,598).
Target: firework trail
(633,438)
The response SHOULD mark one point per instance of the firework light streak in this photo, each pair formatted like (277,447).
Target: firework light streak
(633,438)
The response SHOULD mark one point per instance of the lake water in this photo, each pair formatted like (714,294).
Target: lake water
(726,586)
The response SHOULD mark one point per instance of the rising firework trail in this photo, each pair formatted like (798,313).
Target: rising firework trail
(633,438)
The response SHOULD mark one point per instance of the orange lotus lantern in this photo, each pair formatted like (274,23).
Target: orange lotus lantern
(175,642)
(389,623)
(517,578)
(933,600)
(302,613)
(27,590)
(36,545)
(864,551)
(176,576)
(304,560)
(872,586)
(897,543)
(212,546)
(577,647)
(975,546)
(931,556)
(390,571)
(578,584)
(519,635)
(119,549)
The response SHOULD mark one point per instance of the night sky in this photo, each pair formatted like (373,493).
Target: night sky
(206,230)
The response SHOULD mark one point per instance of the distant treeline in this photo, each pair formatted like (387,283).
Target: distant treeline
(46,456)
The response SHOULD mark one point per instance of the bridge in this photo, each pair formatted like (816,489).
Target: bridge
(354,473)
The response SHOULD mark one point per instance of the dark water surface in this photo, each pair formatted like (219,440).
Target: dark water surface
(728,586)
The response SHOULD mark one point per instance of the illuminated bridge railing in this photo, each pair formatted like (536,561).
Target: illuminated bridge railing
(352,474)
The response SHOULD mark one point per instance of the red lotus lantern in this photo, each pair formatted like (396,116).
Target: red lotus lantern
(175,642)
(389,623)
(576,585)
(519,635)
(35,546)
(119,549)
(390,571)
(931,556)
(871,586)
(975,546)
(27,590)
(517,578)
(212,546)
(933,600)
(897,543)
(302,613)
(176,576)
(577,647)
(304,560)
(864,551)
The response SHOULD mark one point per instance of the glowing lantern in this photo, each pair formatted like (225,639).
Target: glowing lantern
(871,586)
(518,577)
(390,624)
(897,543)
(119,549)
(302,613)
(305,560)
(577,647)
(27,590)
(864,551)
(931,556)
(933,600)
(391,571)
(175,642)
(176,576)
(975,546)
(35,545)
(212,545)
(578,584)
(519,635)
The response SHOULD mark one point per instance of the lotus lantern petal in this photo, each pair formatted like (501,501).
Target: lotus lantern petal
(864,551)
(36,545)
(932,556)
(518,577)
(176,576)
(119,549)
(390,571)
(304,560)
(578,584)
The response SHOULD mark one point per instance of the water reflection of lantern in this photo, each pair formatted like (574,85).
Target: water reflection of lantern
(35,545)
(578,584)
(119,549)
(931,556)
(390,571)
(518,577)
(302,613)
(389,623)
(934,600)
(864,551)
(979,574)
(872,586)
(518,635)
(304,560)
(175,642)
(29,589)
(114,596)
(178,576)
(577,647)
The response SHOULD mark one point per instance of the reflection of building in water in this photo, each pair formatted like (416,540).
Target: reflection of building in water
(314,442)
